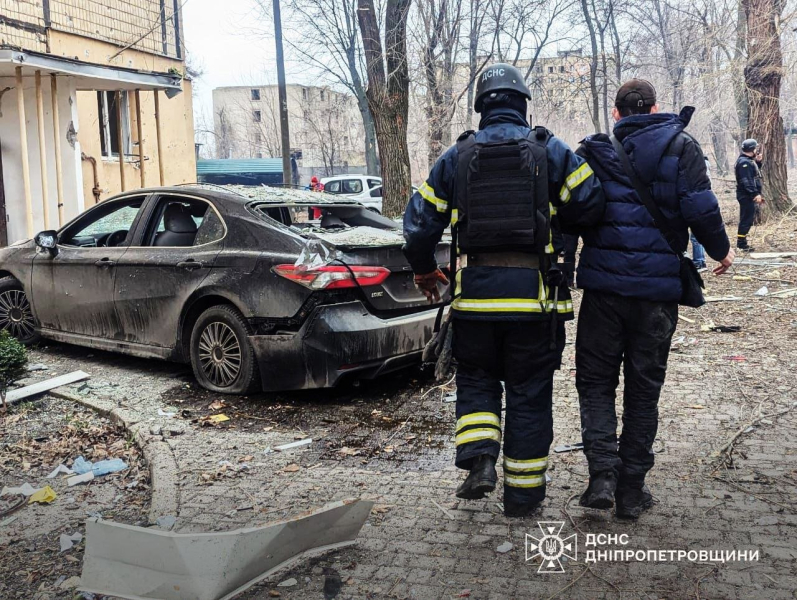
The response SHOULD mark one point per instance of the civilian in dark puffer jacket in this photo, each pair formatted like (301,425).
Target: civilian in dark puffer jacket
(632,287)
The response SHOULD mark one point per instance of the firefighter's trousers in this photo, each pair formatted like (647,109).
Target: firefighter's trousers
(519,354)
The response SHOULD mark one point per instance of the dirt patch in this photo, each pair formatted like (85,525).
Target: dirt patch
(36,438)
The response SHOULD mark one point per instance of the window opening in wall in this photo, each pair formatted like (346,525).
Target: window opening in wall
(109,130)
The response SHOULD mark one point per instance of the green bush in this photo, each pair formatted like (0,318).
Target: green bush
(13,360)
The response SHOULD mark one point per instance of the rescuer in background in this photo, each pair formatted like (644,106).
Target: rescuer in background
(748,189)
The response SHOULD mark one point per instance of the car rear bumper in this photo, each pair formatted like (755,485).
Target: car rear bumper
(339,341)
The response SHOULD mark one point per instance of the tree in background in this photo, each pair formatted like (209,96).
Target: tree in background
(329,40)
(763,75)
(441,22)
(388,96)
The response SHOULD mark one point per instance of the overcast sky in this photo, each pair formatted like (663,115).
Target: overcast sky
(217,45)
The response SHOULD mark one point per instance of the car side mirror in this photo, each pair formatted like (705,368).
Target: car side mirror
(48,241)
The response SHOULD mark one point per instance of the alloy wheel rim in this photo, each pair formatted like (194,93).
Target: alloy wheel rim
(220,354)
(15,314)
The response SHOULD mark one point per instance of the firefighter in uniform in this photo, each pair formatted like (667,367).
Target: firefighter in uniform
(748,190)
(503,189)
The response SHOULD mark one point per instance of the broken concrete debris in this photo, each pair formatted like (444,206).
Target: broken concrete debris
(505,547)
(68,541)
(133,562)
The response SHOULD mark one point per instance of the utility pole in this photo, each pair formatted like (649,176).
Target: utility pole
(283,98)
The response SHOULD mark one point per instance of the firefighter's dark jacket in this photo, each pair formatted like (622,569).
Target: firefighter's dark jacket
(625,254)
(748,178)
(502,293)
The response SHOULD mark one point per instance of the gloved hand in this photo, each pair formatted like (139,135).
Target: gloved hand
(427,283)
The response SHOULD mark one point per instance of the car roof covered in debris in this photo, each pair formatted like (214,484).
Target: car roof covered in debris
(273,195)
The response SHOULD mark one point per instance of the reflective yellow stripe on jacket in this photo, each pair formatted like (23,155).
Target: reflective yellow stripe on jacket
(575,179)
(427,193)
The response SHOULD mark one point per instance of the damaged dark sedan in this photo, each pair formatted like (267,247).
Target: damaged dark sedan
(256,288)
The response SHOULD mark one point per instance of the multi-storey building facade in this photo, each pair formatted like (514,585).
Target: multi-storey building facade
(93,100)
(325,126)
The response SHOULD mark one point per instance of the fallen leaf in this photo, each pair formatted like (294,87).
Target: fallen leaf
(292,468)
(247,458)
(274,593)
(217,405)
(697,406)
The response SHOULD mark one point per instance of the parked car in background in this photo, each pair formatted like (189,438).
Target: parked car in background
(239,282)
(365,189)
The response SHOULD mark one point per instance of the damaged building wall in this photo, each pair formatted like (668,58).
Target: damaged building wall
(12,161)
(177,121)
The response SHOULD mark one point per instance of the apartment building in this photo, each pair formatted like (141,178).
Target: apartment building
(326,129)
(93,100)
(559,86)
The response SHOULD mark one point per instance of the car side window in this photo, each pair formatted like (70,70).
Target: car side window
(332,186)
(211,229)
(183,222)
(107,225)
(372,183)
(352,186)
(376,192)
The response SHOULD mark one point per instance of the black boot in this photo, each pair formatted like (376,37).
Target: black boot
(600,492)
(514,509)
(481,479)
(632,501)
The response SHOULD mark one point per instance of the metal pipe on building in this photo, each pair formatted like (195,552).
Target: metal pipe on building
(158,134)
(42,149)
(23,150)
(120,136)
(59,167)
(140,130)
(96,191)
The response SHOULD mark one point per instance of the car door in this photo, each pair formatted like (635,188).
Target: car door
(180,238)
(73,289)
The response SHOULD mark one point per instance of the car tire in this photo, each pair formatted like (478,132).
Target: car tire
(222,357)
(16,316)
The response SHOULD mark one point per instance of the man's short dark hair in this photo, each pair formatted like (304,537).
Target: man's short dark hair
(635,97)
(627,111)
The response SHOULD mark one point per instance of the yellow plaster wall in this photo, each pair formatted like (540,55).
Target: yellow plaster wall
(177,120)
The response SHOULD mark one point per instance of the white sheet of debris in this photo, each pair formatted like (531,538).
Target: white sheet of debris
(138,563)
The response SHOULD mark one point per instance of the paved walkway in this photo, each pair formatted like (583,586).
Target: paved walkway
(392,442)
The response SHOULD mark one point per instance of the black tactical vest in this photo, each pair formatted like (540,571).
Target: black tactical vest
(502,194)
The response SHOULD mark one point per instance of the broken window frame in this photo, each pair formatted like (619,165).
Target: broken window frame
(108,136)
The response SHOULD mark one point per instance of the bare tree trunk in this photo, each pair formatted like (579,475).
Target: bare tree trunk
(763,74)
(593,69)
(371,155)
(739,89)
(388,96)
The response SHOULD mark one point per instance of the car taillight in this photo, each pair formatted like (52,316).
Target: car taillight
(331,277)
